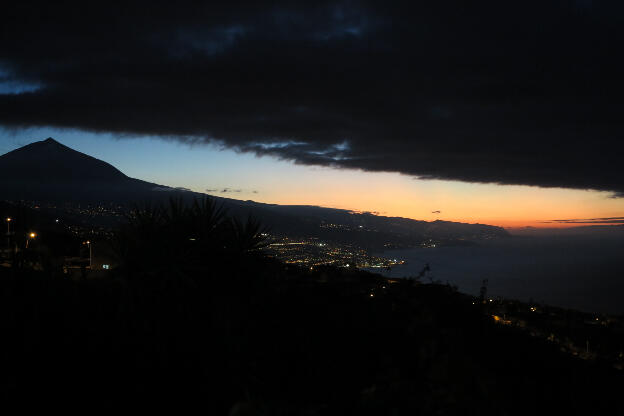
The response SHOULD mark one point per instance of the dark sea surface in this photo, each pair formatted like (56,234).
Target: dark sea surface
(584,272)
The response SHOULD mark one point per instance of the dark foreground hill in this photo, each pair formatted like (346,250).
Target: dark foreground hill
(262,339)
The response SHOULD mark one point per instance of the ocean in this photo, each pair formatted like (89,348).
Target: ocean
(584,272)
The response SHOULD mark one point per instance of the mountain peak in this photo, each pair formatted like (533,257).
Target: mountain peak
(50,143)
(48,161)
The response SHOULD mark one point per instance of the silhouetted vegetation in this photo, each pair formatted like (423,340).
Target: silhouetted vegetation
(179,240)
(194,311)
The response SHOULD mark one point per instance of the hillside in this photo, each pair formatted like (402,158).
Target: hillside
(259,338)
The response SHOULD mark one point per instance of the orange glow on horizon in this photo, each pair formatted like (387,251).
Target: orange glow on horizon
(230,174)
(395,195)
(269,180)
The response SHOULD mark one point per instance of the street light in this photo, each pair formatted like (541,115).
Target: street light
(89,244)
(30,236)
(8,221)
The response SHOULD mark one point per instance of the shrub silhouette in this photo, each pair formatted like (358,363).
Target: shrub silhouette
(182,239)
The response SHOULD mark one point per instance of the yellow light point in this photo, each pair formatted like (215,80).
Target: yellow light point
(9,219)
(33,235)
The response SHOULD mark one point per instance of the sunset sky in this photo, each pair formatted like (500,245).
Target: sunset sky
(336,103)
(205,168)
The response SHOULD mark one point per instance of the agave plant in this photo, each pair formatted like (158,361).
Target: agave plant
(179,236)
(248,236)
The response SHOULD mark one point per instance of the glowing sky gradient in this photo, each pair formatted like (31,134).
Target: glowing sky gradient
(266,179)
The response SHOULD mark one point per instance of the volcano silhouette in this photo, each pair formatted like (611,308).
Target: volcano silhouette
(48,170)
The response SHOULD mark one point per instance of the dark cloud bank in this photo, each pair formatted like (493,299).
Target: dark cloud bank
(508,92)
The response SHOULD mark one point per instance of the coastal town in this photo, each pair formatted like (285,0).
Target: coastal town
(312,252)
